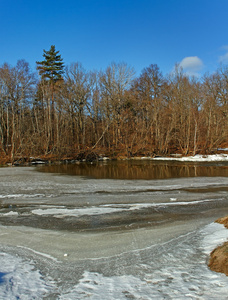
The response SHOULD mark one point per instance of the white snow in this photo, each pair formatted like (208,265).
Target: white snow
(110,208)
(173,199)
(20,279)
(61,212)
(215,235)
(21,196)
(11,196)
(10,213)
(197,158)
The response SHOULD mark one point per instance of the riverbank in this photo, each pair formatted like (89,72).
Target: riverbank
(220,156)
(219,257)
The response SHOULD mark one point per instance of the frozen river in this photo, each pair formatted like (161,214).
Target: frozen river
(134,230)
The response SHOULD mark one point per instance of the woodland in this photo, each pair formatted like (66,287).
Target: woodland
(68,112)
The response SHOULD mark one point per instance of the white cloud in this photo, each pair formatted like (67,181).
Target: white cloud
(225,47)
(191,65)
(224,58)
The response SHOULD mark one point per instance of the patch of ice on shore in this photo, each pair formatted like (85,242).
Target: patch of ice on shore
(215,234)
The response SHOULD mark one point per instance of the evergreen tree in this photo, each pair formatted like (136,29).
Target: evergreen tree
(52,67)
(50,70)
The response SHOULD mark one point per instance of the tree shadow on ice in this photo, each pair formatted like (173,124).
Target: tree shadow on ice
(2,277)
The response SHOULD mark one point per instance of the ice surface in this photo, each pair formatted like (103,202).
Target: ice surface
(109,208)
(188,278)
(162,254)
(175,269)
(57,212)
(21,280)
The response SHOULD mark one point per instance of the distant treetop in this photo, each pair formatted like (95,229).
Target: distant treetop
(52,67)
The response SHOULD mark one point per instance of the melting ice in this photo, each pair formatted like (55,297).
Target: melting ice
(47,250)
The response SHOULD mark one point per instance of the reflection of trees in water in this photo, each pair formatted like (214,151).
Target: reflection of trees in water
(138,170)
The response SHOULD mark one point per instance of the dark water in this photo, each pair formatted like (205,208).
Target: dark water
(144,169)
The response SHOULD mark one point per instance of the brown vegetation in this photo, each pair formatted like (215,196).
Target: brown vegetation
(223,221)
(219,259)
(110,112)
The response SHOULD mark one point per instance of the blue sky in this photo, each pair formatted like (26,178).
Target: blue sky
(137,32)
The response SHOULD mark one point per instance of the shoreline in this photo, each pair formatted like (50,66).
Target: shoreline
(221,156)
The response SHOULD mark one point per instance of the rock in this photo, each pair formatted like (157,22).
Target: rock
(103,158)
(37,161)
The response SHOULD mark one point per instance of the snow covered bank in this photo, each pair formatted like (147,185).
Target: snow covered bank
(196,158)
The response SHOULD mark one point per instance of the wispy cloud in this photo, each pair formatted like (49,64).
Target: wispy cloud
(225,47)
(192,65)
(224,58)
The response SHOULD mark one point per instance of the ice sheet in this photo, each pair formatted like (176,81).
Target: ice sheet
(165,260)
(174,280)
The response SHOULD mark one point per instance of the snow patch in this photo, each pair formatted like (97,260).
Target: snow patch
(215,235)
(197,158)
(20,279)
(11,213)
(110,208)
(173,199)
(61,212)
(21,196)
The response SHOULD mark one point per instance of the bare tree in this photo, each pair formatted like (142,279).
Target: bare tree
(149,87)
(78,91)
(18,86)
(113,84)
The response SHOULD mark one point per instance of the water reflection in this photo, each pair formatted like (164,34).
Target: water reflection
(139,170)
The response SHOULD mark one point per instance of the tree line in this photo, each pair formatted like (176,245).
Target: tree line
(67,110)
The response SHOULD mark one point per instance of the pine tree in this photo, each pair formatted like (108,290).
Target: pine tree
(52,67)
(51,70)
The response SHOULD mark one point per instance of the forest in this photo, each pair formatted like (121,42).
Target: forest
(68,112)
